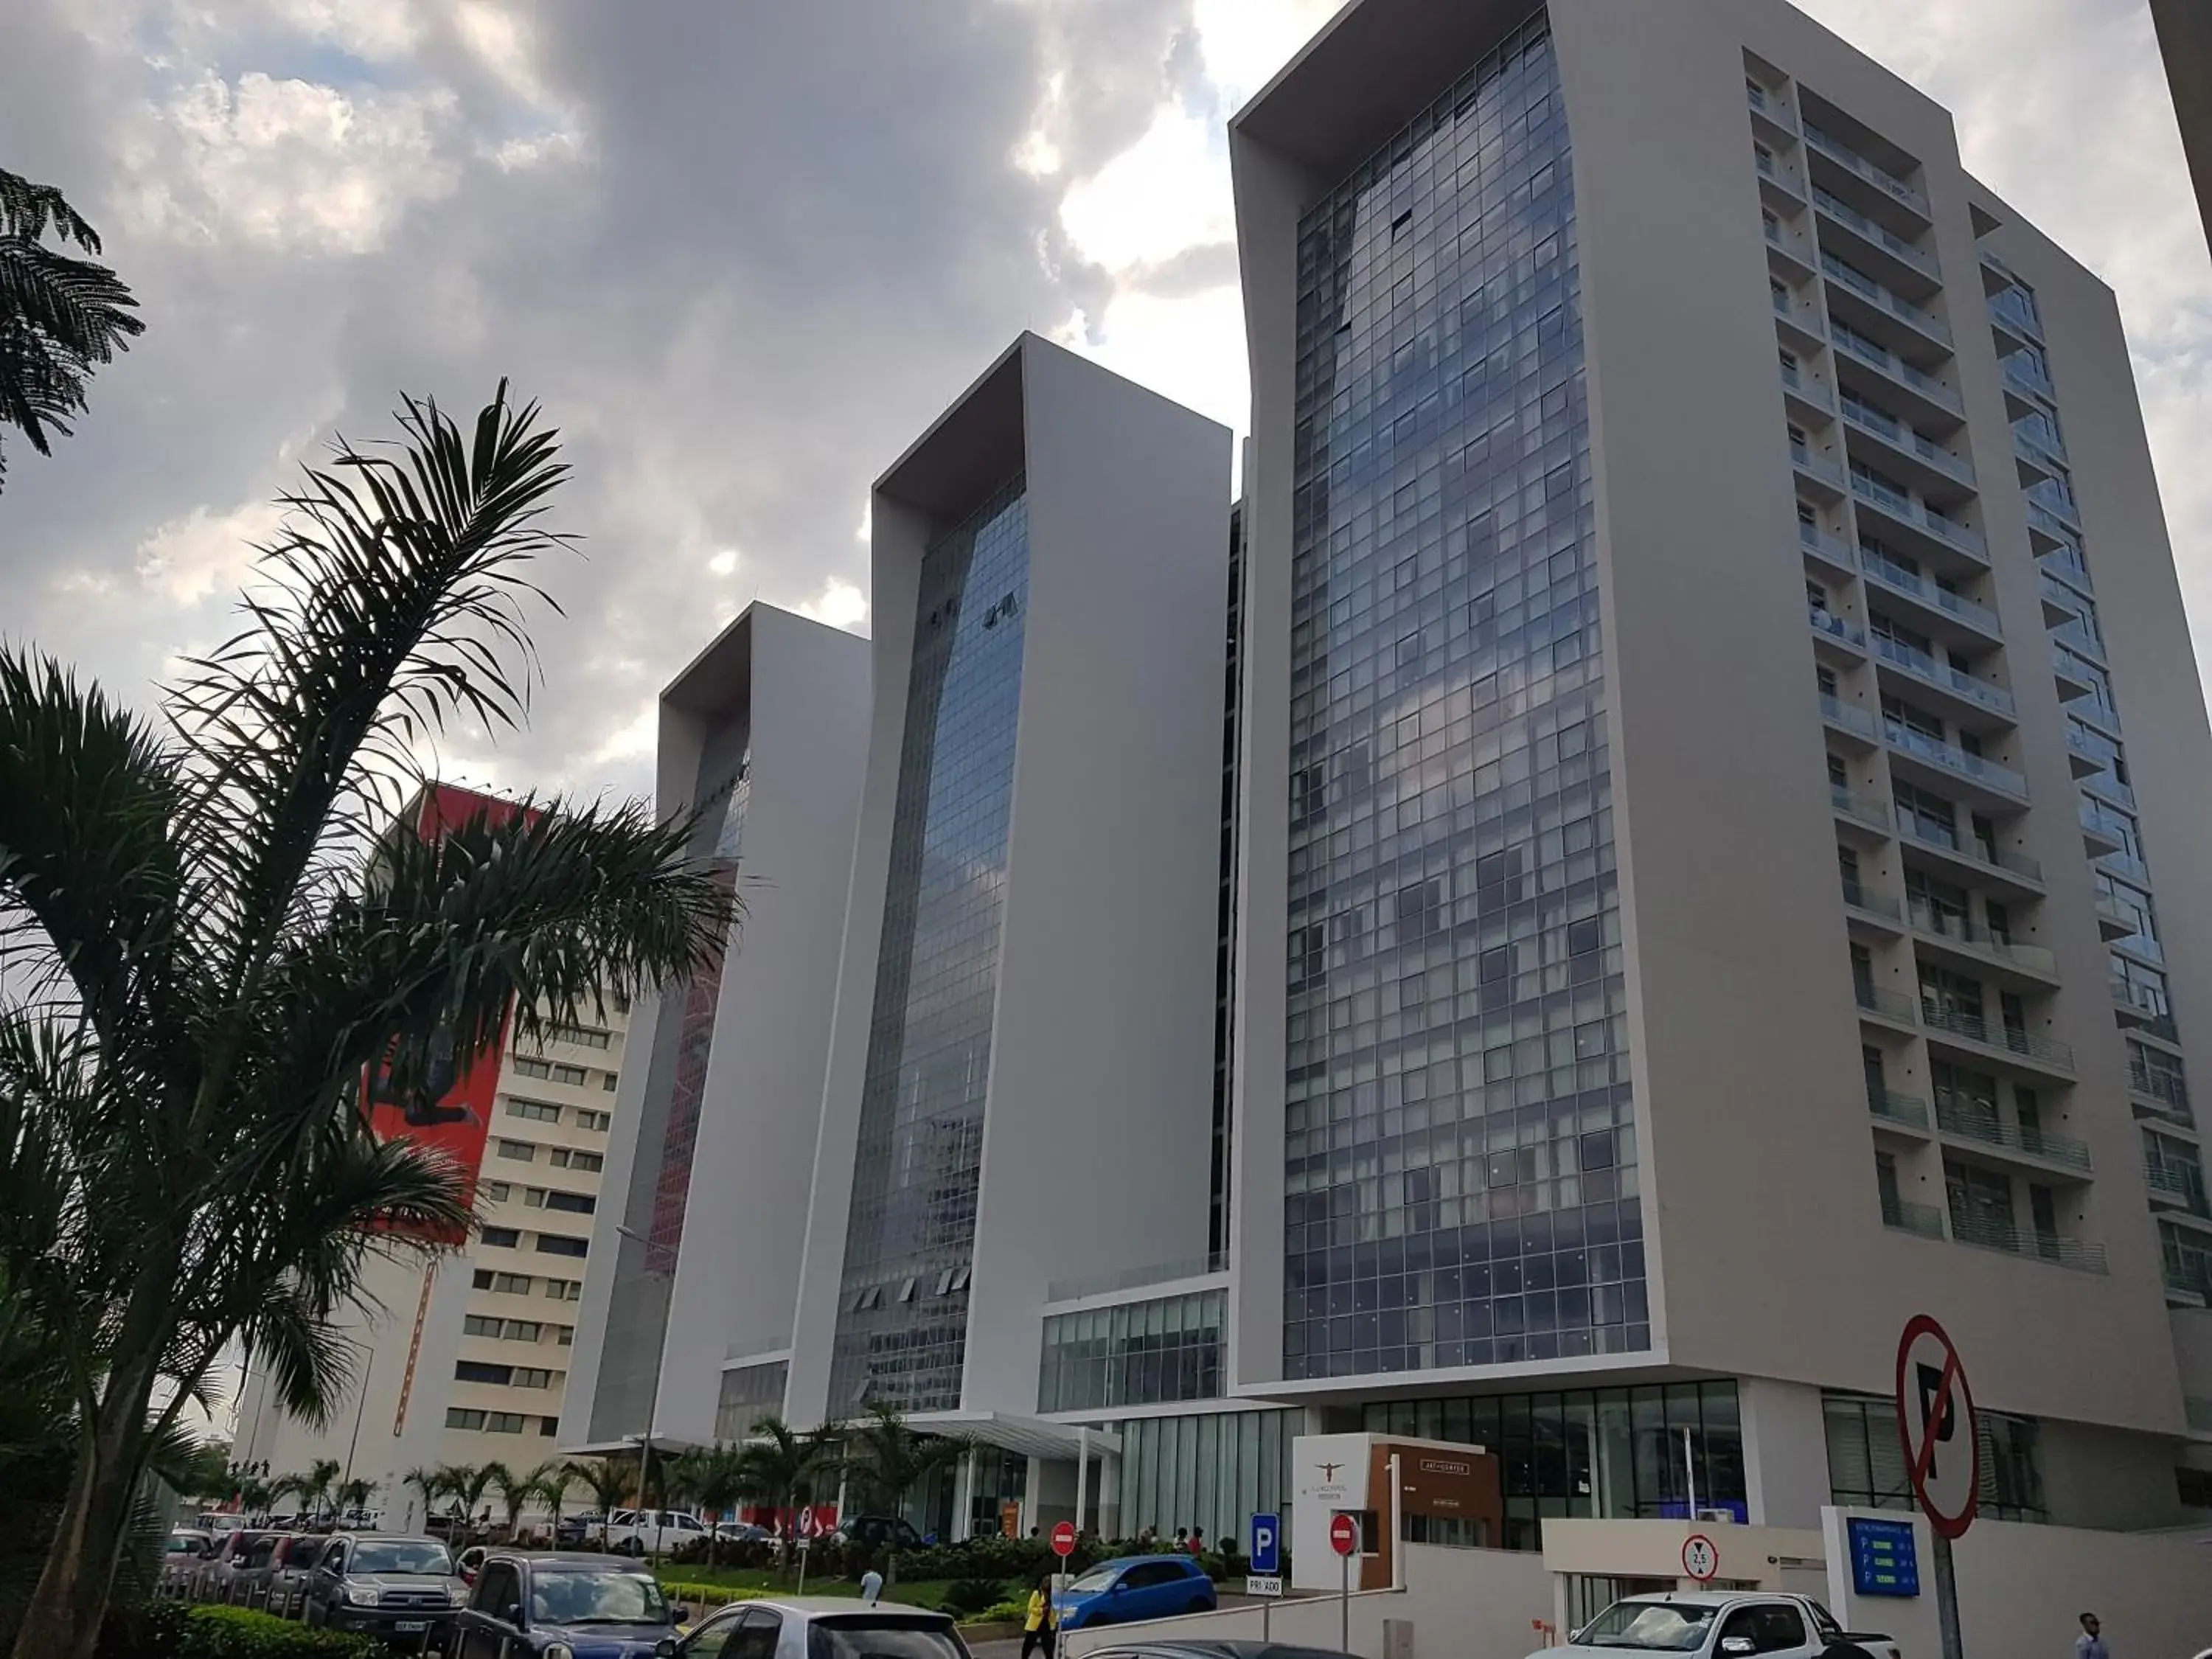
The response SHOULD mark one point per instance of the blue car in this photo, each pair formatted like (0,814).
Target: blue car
(1136,1587)
(563,1606)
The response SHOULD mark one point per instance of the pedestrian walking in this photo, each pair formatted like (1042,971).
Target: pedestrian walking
(1197,1540)
(872,1587)
(1040,1621)
(1183,1540)
(2090,1644)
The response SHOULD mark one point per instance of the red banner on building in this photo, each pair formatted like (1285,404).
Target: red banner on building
(445,1106)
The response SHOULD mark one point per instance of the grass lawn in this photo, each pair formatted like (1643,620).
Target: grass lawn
(914,1593)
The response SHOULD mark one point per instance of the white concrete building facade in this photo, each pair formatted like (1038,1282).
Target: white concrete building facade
(1679,996)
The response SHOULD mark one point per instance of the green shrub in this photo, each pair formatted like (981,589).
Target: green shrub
(1003,1613)
(706,1596)
(965,1597)
(220,1632)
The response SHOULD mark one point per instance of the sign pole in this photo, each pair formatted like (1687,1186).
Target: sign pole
(1344,1604)
(1947,1600)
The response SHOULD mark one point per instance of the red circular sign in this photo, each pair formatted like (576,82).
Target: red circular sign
(1063,1539)
(1935,1424)
(1701,1559)
(1343,1535)
(810,1522)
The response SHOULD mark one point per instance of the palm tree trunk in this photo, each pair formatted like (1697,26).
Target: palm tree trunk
(66,1609)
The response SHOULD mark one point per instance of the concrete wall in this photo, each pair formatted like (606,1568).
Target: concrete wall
(745,1227)
(1462,1604)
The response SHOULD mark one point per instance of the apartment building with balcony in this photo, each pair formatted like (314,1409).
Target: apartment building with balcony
(1700,904)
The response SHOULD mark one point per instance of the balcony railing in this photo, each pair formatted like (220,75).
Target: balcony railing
(1819,465)
(2170,1091)
(1883,299)
(2146,1008)
(2018,864)
(1890,1005)
(1918,663)
(1850,719)
(1920,516)
(2104,786)
(1934,924)
(1973,1028)
(1837,150)
(2190,1278)
(1828,622)
(1894,366)
(1951,759)
(1887,572)
(1860,898)
(1908,438)
(2048,455)
(1908,1110)
(1768,170)
(1991,259)
(1924,1220)
(1835,551)
(2018,311)
(2022,378)
(2098,821)
(2124,865)
(1864,810)
(1919,258)
(1994,1234)
(2178,1183)
(2069,563)
(2075,634)
(1992,1131)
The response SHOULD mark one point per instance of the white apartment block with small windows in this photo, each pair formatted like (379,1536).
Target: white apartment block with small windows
(466,1358)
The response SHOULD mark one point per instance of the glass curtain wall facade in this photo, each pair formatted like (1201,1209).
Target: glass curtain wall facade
(1605,1453)
(902,1312)
(1140,1353)
(1215,1472)
(1866,1465)
(1460,1170)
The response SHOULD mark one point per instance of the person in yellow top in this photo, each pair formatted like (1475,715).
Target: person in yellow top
(1043,1619)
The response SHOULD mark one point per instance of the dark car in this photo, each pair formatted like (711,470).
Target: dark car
(249,1579)
(1170,1649)
(285,1591)
(226,1559)
(568,1604)
(398,1587)
(873,1532)
(1137,1587)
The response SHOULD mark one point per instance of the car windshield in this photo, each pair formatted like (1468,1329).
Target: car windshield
(1651,1626)
(186,1543)
(586,1597)
(401,1555)
(1097,1578)
(882,1636)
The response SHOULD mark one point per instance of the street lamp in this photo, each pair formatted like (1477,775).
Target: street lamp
(659,1354)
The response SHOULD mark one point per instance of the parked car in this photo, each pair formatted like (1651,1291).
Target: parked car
(873,1532)
(390,1586)
(470,1562)
(827,1628)
(221,1521)
(181,1557)
(284,1585)
(576,1532)
(226,1556)
(652,1532)
(250,1578)
(1136,1587)
(563,1604)
(1140,1649)
(741,1532)
(1721,1625)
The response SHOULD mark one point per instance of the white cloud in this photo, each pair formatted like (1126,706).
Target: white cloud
(839,604)
(205,552)
(1246,41)
(724,564)
(379,30)
(1166,193)
(292,164)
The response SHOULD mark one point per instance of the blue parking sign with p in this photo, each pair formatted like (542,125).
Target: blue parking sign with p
(1267,1545)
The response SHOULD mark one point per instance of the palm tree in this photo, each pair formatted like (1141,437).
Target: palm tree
(198,976)
(317,1486)
(430,1483)
(515,1491)
(889,1459)
(609,1481)
(354,1495)
(549,1483)
(466,1484)
(60,317)
(720,1481)
(781,1465)
(255,1495)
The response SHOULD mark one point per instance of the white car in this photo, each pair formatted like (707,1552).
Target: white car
(1721,1625)
(827,1628)
(652,1532)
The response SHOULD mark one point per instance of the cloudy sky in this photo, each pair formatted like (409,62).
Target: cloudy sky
(744,250)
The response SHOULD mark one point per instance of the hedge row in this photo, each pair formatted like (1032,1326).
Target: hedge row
(169,1630)
(706,1595)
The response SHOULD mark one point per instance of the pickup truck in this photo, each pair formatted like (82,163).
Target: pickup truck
(657,1532)
(1721,1625)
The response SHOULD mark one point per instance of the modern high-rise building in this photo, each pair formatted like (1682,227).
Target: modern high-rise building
(764,736)
(465,1359)
(1019,1092)
(1723,766)
(2184,41)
